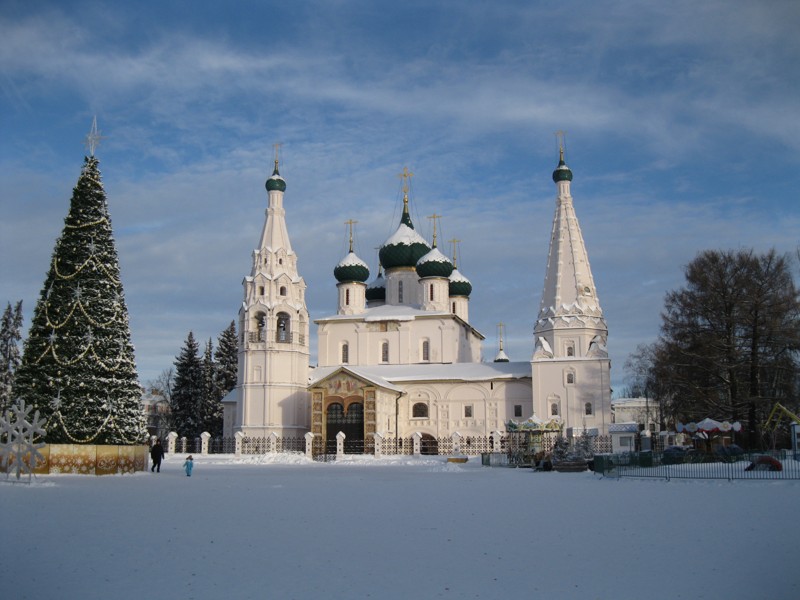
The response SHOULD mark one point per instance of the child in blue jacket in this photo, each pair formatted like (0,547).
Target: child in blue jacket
(188,466)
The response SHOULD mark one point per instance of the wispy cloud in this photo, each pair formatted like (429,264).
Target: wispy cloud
(675,113)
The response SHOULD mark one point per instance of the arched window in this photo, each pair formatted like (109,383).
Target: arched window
(419,410)
(283,290)
(385,352)
(400,292)
(345,353)
(426,350)
(570,378)
(261,327)
(554,409)
(347,297)
(588,408)
(283,332)
(261,290)
(454,307)
(431,292)
(570,350)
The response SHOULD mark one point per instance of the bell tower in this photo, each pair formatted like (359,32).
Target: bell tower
(273,323)
(570,365)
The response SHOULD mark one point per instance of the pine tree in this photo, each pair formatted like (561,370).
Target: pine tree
(10,335)
(187,391)
(78,365)
(211,405)
(227,359)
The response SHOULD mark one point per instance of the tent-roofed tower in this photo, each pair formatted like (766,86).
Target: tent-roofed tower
(270,395)
(571,369)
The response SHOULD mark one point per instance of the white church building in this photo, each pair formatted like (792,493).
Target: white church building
(399,357)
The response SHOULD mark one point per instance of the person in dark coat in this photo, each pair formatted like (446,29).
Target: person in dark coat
(156,453)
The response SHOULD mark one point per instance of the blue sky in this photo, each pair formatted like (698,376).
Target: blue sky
(682,121)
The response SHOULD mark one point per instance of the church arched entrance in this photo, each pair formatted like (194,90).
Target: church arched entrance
(350,422)
(428,444)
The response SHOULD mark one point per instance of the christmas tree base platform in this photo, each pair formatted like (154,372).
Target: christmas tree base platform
(88,459)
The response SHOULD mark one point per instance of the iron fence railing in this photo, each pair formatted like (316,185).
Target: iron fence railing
(519,448)
(762,465)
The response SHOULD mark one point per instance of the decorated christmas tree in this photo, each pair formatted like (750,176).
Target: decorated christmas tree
(78,365)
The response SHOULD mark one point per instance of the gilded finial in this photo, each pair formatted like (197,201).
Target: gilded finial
(405,176)
(561,140)
(434,217)
(351,222)
(455,243)
(277,146)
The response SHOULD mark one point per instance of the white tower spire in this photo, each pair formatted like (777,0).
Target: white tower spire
(271,395)
(570,361)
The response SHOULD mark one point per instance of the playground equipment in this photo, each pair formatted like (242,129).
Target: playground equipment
(778,412)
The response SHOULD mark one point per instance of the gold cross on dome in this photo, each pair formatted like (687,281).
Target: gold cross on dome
(455,243)
(434,217)
(405,176)
(561,141)
(351,222)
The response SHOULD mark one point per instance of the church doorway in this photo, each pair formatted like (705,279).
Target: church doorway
(428,444)
(350,422)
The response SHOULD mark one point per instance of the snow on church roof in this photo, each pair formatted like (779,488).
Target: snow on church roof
(405,235)
(388,312)
(388,375)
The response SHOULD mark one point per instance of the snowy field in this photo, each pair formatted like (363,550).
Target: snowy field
(283,527)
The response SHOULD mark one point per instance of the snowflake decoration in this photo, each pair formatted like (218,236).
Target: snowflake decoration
(55,403)
(17,434)
(52,337)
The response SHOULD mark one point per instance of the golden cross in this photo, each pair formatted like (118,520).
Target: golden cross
(434,216)
(277,146)
(405,176)
(455,243)
(351,222)
(561,140)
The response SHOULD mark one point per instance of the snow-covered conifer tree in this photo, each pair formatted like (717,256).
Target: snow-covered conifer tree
(10,335)
(211,410)
(187,391)
(78,365)
(227,360)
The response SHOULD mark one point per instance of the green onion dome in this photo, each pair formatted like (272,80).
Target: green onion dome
(276,182)
(562,172)
(404,248)
(459,285)
(351,268)
(376,289)
(434,264)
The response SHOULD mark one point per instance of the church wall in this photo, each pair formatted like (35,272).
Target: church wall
(590,383)
(491,404)
(448,342)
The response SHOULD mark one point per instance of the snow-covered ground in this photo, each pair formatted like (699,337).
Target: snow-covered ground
(415,527)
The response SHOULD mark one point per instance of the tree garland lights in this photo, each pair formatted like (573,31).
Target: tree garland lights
(78,365)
